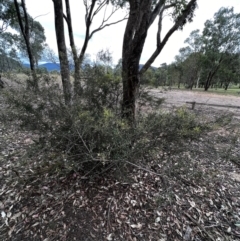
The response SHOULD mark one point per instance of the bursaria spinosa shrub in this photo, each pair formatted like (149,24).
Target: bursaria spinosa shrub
(90,134)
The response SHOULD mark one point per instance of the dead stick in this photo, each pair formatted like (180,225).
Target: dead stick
(200,226)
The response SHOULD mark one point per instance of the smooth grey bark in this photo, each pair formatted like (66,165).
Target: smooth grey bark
(140,19)
(88,22)
(68,18)
(62,51)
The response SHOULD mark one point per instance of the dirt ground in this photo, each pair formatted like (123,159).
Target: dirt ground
(190,192)
(176,98)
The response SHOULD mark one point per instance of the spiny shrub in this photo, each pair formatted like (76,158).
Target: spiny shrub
(91,132)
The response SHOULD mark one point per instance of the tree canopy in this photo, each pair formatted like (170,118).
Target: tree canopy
(216,49)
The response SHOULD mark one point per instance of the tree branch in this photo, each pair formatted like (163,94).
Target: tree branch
(178,24)
(159,28)
(19,18)
(103,25)
(41,15)
(88,19)
(156,11)
(99,8)
(65,18)
(106,25)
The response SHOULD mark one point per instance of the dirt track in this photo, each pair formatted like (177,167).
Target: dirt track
(176,98)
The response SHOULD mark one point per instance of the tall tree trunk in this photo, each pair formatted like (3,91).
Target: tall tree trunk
(208,81)
(197,84)
(77,76)
(62,51)
(212,73)
(227,84)
(130,78)
(26,35)
(141,17)
(179,84)
(133,42)
(88,21)
(191,84)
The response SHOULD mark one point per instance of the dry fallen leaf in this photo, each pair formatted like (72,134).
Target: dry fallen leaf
(16,215)
(3,214)
(193,204)
(137,226)
(187,235)
(157,220)
(110,237)
(10,231)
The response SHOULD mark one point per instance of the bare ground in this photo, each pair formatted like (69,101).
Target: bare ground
(176,98)
(192,192)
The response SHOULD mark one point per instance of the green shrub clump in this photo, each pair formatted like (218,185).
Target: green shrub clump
(90,134)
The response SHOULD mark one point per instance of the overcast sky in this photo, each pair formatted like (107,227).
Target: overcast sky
(112,37)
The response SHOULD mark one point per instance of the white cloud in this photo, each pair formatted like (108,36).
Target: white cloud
(112,37)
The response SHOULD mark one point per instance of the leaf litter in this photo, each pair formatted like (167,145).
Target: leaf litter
(189,195)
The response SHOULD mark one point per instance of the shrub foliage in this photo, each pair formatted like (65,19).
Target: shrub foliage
(91,133)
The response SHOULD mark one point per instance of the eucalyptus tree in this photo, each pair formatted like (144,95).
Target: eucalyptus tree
(195,41)
(104,57)
(221,37)
(213,50)
(8,48)
(229,71)
(188,64)
(62,51)
(163,74)
(193,62)
(93,8)
(8,52)
(118,69)
(32,36)
(49,54)
(142,14)
(178,63)
(29,39)
(7,15)
(37,41)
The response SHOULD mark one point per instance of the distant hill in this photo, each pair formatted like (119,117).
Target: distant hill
(49,66)
(54,66)
(152,67)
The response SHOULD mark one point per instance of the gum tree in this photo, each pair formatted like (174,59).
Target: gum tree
(221,38)
(25,28)
(62,51)
(93,8)
(142,14)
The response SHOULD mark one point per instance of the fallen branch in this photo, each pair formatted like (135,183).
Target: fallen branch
(200,226)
